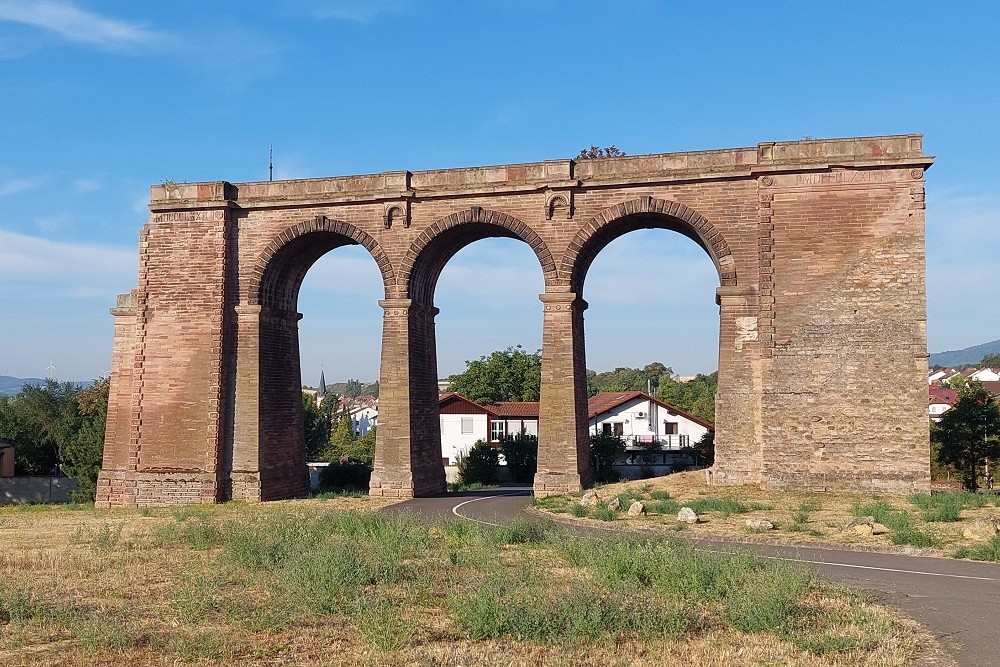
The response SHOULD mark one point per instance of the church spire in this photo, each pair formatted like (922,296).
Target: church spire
(322,386)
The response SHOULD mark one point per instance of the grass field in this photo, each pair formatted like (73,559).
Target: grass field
(932,523)
(329,582)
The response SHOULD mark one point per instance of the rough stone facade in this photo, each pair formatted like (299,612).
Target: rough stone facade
(819,247)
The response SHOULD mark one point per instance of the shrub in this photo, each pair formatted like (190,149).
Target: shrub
(605,449)
(479,464)
(521,453)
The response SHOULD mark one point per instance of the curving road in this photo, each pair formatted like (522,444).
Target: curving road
(957,600)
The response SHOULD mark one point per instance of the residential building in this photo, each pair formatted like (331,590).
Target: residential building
(986,375)
(940,400)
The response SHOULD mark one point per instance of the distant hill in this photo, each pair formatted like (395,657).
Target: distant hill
(970,355)
(11,385)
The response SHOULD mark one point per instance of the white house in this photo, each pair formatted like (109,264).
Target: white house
(463,422)
(641,419)
(364,416)
(644,423)
(986,375)
(940,400)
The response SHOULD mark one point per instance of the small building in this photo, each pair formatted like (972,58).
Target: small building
(986,375)
(463,422)
(364,415)
(6,458)
(645,423)
(940,400)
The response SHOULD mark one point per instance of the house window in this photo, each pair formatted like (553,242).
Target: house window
(498,430)
(669,428)
(466,425)
(618,428)
(606,428)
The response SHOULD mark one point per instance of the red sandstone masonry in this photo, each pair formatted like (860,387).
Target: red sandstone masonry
(820,253)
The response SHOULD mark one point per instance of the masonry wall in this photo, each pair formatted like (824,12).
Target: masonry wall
(818,247)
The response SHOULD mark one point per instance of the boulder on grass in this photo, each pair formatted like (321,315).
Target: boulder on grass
(615,505)
(860,521)
(759,524)
(982,529)
(636,509)
(590,499)
(687,515)
(879,529)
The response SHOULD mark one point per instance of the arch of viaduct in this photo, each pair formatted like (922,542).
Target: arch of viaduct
(819,247)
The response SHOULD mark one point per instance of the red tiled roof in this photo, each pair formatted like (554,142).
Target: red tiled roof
(514,408)
(938,394)
(609,400)
(993,386)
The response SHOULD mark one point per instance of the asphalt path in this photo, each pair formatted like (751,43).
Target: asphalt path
(958,600)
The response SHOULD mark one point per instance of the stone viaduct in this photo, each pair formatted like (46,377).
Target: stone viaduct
(819,247)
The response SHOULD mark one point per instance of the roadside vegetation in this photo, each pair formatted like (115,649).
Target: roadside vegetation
(313,582)
(954,523)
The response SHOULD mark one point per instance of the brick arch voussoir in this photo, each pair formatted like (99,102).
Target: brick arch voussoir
(252,293)
(476,214)
(711,237)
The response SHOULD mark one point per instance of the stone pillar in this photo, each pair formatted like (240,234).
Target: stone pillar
(738,425)
(563,440)
(408,441)
(245,465)
(113,487)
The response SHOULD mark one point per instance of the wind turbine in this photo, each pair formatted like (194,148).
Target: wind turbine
(48,371)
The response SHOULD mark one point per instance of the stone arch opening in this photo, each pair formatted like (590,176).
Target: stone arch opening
(645,213)
(409,456)
(649,213)
(268,452)
(432,250)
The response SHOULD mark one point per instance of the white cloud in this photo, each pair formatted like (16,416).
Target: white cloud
(12,186)
(76,25)
(30,263)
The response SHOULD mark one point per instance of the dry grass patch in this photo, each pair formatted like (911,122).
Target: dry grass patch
(311,584)
(932,523)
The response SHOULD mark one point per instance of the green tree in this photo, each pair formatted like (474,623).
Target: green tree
(82,454)
(316,423)
(520,451)
(990,361)
(508,375)
(343,439)
(479,465)
(605,449)
(696,396)
(969,432)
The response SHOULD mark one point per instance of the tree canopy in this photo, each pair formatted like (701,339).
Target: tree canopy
(513,374)
(969,432)
(58,425)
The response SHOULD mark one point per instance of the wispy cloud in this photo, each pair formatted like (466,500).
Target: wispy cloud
(30,263)
(73,24)
(12,186)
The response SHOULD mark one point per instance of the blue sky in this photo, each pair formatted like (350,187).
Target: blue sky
(98,100)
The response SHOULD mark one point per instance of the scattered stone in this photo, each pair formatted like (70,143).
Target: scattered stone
(863,528)
(636,509)
(982,529)
(590,499)
(615,505)
(859,521)
(759,524)
(879,529)
(687,515)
